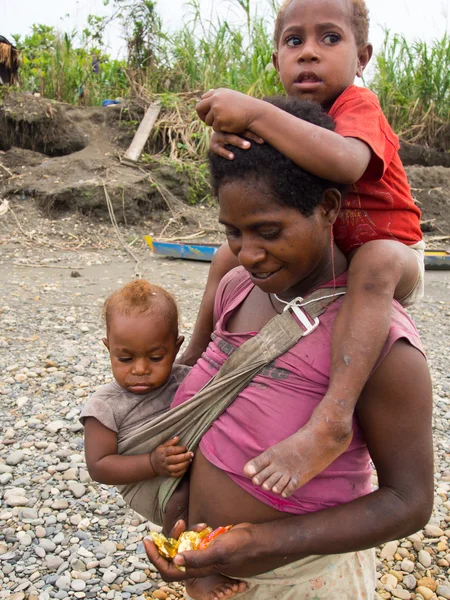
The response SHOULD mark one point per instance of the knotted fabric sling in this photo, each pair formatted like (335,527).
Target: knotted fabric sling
(192,419)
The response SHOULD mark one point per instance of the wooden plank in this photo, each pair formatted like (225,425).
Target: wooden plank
(134,152)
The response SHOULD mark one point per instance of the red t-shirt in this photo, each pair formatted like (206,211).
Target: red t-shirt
(379,206)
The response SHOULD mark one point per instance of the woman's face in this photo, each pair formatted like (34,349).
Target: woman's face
(283,251)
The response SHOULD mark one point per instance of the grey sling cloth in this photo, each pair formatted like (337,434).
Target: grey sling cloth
(192,419)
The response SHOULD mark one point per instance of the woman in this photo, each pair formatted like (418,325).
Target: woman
(319,542)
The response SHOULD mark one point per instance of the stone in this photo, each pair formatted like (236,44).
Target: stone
(15,458)
(389,580)
(433,531)
(16,500)
(401,593)
(425,559)
(159,595)
(55,426)
(78,585)
(63,583)
(47,544)
(425,592)
(389,550)
(407,565)
(60,504)
(443,591)
(428,582)
(77,489)
(53,562)
(410,582)
(110,576)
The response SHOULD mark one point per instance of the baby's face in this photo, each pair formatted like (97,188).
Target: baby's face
(142,349)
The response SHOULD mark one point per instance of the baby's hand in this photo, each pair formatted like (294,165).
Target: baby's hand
(219,140)
(171,460)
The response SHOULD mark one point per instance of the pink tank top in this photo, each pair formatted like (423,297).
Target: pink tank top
(279,401)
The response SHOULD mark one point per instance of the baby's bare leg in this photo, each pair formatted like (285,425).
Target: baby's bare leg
(214,587)
(379,271)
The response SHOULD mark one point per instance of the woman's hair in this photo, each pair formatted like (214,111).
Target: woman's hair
(289,184)
(359,20)
(141,296)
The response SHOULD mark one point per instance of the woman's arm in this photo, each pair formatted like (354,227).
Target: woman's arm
(106,466)
(223,261)
(395,414)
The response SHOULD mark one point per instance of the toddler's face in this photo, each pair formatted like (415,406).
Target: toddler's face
(142,349)
(317,55)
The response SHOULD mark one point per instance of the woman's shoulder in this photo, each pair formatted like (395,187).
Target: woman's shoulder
(233,287)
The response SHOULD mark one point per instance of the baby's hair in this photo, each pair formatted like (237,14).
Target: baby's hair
(359,21)
(289,184)
(139,297)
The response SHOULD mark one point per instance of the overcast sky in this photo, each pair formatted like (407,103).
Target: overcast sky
(416,19)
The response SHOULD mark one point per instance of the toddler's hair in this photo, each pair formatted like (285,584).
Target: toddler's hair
(289,184)
(359,21)
(138,297)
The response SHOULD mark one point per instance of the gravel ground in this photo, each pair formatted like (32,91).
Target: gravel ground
(63,536)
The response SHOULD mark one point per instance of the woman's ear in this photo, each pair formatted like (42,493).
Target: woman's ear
(331,205)
(105,341)
(364,55)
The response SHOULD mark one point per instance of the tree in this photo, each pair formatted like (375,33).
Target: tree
(142,27)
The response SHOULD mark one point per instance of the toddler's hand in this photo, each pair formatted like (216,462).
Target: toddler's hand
(171,460)
(227,110)
(219,140)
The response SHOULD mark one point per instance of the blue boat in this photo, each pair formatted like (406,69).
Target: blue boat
(434,259)
(187,251)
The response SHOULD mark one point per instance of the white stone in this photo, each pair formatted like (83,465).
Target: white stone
(55,426)
(78,585)
(77,489)
(389,550)
(424,558)
(109,576)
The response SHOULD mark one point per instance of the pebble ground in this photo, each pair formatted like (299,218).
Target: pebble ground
(64,536)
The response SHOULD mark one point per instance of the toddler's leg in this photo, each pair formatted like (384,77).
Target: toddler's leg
(223,261)
(379,271)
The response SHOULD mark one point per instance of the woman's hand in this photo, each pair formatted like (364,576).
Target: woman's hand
(219,140)
(171,460)
(228,553)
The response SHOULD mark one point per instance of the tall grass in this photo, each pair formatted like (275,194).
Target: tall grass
(205,54)
(412,81)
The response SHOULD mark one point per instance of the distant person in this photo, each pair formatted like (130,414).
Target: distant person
(95,65)
(320,47)
(9,62)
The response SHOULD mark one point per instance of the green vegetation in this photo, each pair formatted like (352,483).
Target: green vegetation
(412,80)
(53,65)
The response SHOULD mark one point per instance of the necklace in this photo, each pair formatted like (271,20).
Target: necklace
(273,305)
(299,299)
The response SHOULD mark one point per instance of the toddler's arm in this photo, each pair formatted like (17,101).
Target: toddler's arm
(106,466)
(315,149)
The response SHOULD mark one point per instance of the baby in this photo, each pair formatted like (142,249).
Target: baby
(143,341)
